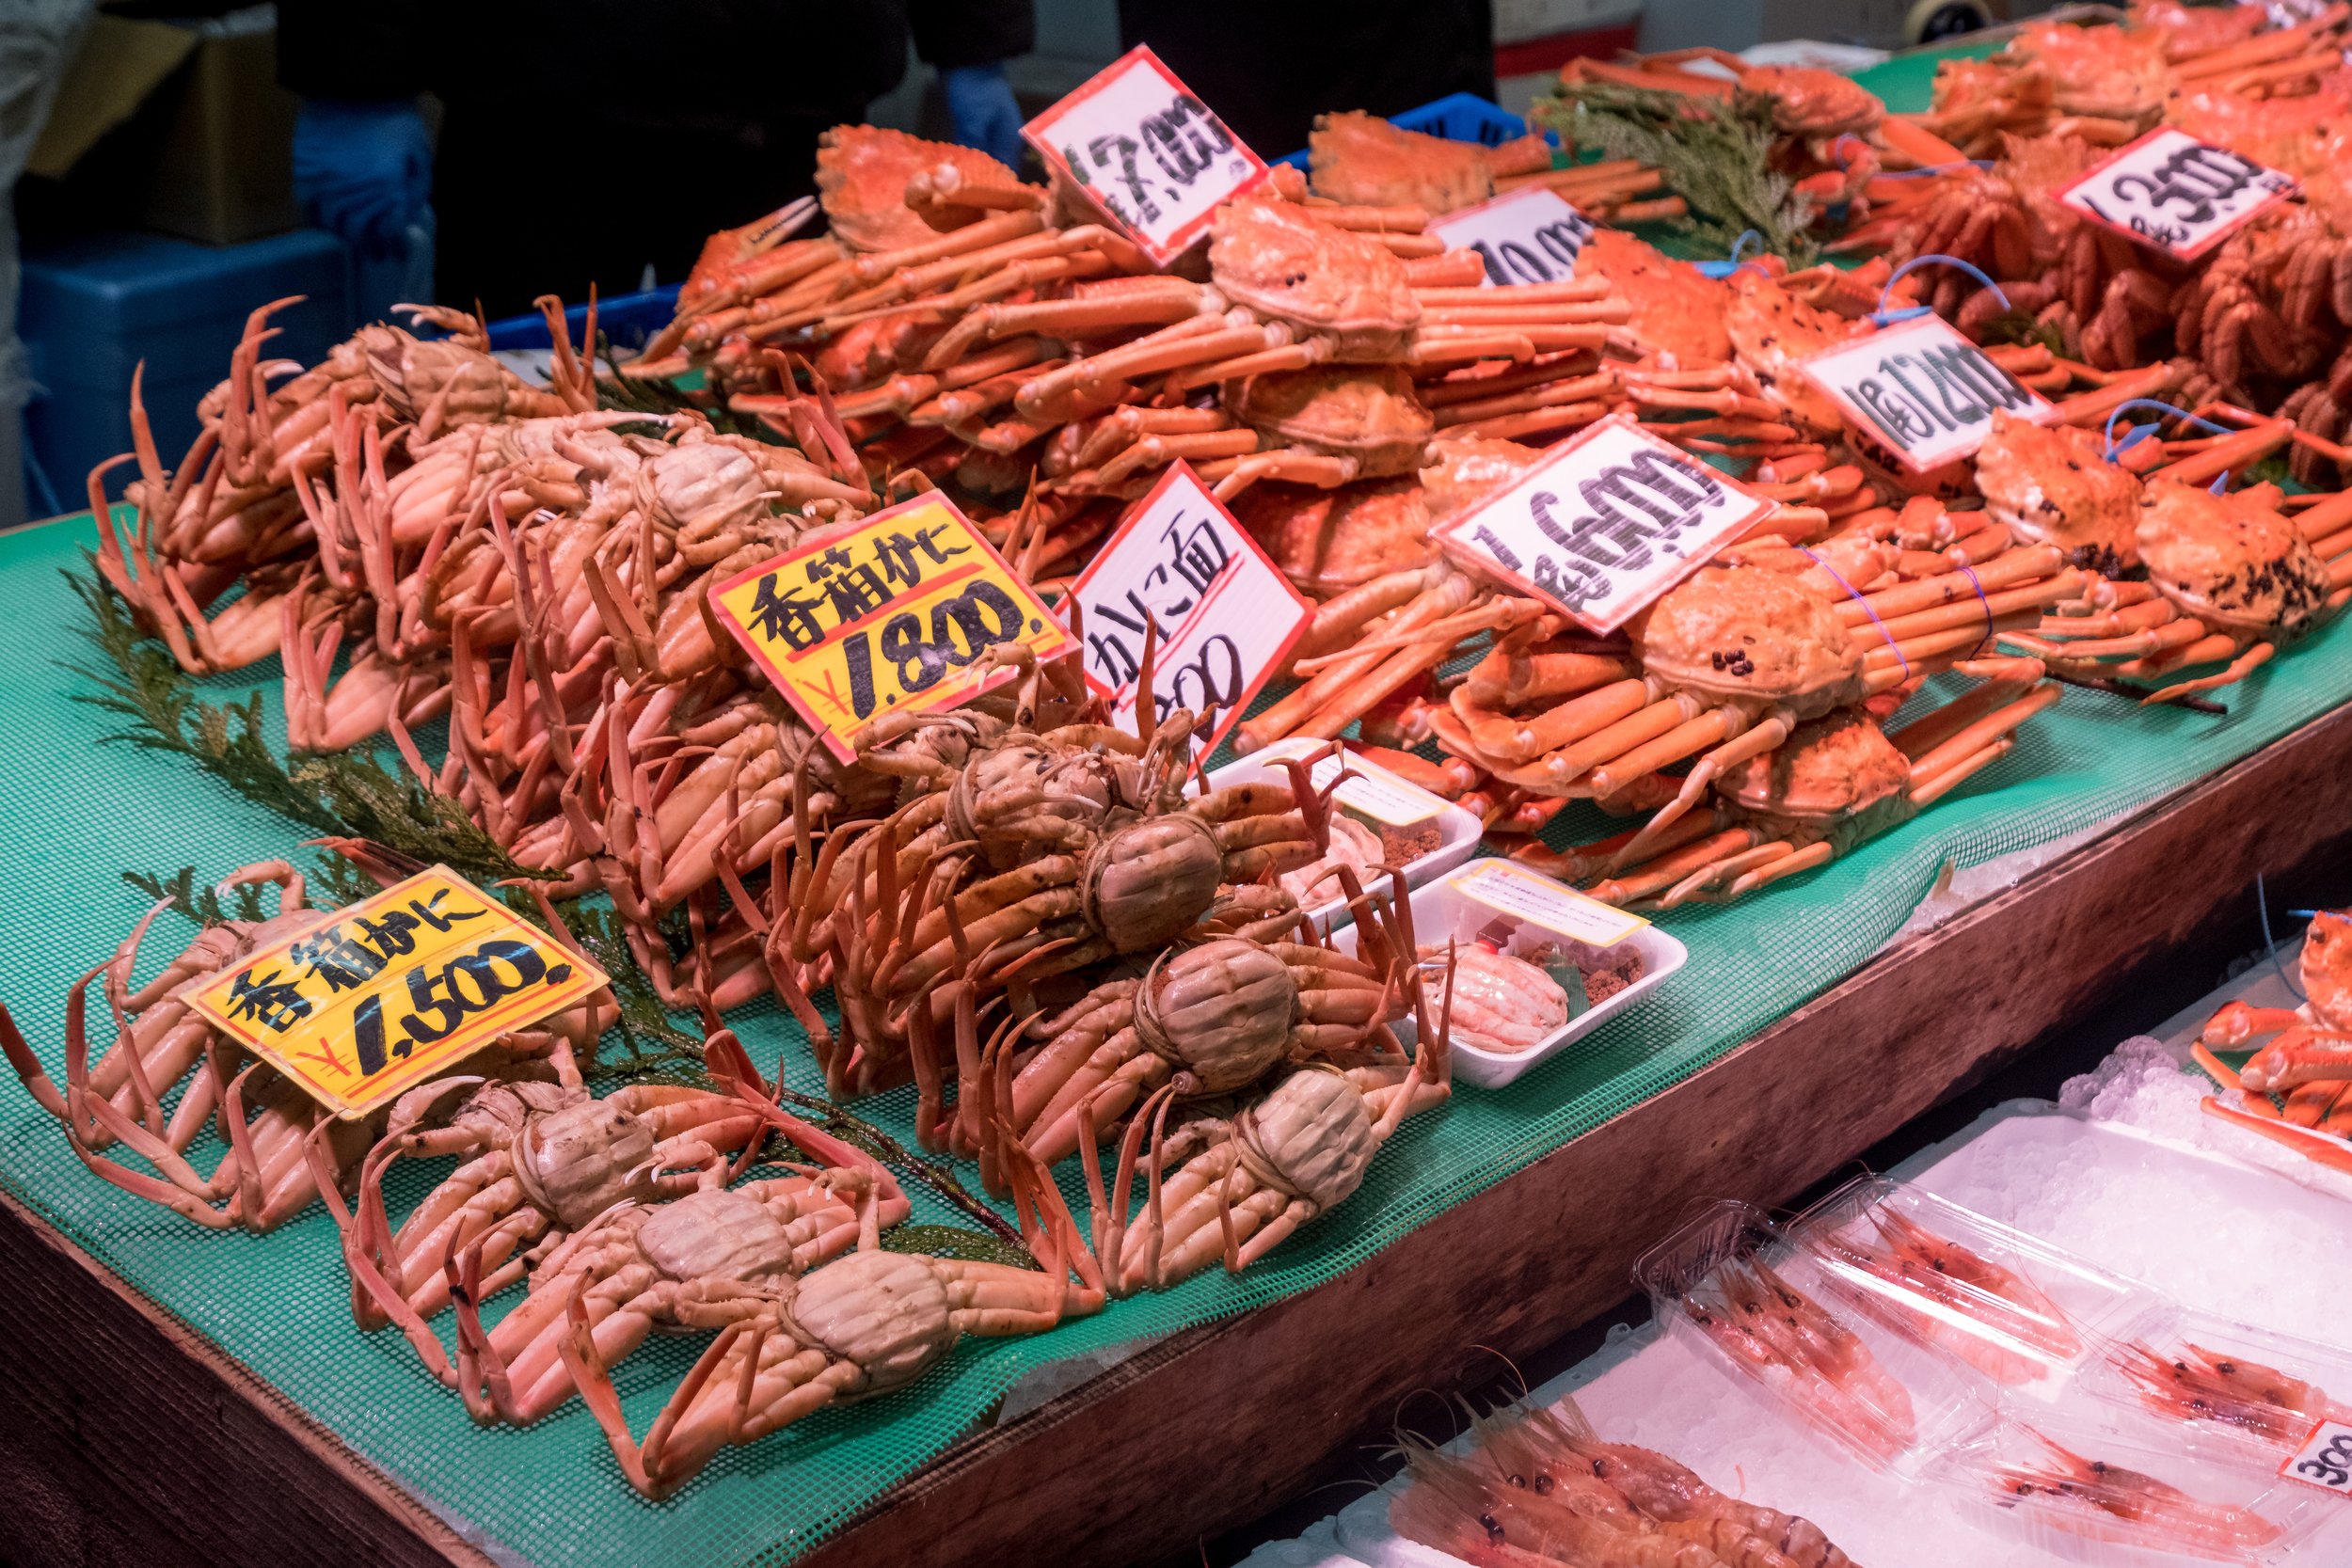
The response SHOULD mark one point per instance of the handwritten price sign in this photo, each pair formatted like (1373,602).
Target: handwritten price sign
(2181,196)
(894,615)
(1513,890)
(1529,236)
(389,991)
(1921,392)
(1148,152)
(2323,1461)
(1225,613)
(1607,523)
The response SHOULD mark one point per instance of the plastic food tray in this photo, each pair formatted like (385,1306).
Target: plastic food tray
(2311,1525)
(1943,1404)
(1941,1312)
(1440,910)
(2169,1330)
(1458,831)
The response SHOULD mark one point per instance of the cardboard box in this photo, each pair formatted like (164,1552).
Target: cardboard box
(176,126)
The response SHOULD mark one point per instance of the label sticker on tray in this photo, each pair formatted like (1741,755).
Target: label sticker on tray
(1527,236)
(1513,890)
(2174,193)
(1921,392)
(2325,1460)
(1146,150)
(1371,789)
(896,615)
(1605,524)
(1226,613)
(380,996)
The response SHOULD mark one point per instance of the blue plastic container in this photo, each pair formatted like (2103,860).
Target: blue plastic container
(627,320)
(1457,117)
(94,306)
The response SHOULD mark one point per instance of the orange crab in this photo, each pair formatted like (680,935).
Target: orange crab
(1364,159)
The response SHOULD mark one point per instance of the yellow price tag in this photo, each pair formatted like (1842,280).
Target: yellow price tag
(381,996)
(894,615)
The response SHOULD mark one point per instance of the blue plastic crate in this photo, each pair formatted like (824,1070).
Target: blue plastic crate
(95,305)
(627,320)
(1457,117)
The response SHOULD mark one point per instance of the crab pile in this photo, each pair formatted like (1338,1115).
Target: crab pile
(2263,320)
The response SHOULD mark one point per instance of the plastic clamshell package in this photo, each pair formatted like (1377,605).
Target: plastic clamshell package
(2006,1305)
(1458,831)
(1441,911)
(2244,1356)
(1877,1396)
(2114,1509)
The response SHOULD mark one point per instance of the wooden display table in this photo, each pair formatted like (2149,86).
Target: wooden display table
(129,1441)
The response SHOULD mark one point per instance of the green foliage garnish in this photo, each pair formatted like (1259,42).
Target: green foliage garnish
(1716,154)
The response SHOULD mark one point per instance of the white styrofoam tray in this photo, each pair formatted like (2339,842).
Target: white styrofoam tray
(1441,911)
(1458,830)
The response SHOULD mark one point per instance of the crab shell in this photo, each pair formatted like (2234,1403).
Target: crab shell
(1771,329)
(1675,309)
(2327,968)
(1220,1011)
(885,1313)
(716,1233)
(1828,772)
(579,1161)
(1015,796)
(701,491)
(1367,412)
(1745,632)
(1314,1133)
(2052,486)
(1363,160)
(862,175)
(1814,103)
(1328,541)
(1147,883)
(2232,560)
(1460,471)
(1275,259)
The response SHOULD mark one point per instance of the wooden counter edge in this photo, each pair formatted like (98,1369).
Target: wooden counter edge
(126,1438)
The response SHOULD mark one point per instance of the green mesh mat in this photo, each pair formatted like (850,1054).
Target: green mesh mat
(77,813)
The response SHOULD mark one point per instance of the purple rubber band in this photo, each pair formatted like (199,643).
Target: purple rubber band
(1865,607)
(1983,600)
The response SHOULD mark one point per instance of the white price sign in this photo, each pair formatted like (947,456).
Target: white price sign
(1605,524)
(1921,391)
(1226,613)
(1529,236)
(2181,196)
(2323,1461)
(1369,788)
(1510,889)
(1148,152)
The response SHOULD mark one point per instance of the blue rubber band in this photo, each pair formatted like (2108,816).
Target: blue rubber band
(1865,607)
(1884,316)
(2262,907)
(2177,412)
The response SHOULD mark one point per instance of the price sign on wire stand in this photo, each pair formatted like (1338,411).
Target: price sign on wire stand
(1527,236)
(2323,1461)
(1921,392)
(1149,152)
(1604,525)
(894,615)
(376,998)
(1227,616)
(2175,194)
